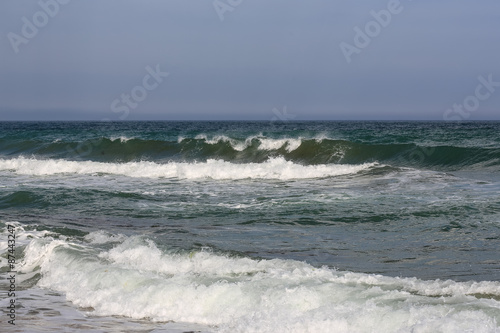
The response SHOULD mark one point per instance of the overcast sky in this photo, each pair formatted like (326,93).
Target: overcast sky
(242,59)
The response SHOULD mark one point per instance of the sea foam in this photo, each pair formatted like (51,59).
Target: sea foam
(264,143)
(138,279)
(275,168)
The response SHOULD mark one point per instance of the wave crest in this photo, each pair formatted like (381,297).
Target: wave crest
(139,279)
(274,168)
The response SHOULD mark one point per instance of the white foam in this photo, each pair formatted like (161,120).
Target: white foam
(101,237)
(136,279)
(122,139)
(43,310)
(290,144)
(276,168)
(22,236)
(274,144)
(238,205)
(321,136)
(235,144)
(214,140)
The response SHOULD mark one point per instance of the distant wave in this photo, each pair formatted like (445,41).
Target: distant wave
(256,149)
(275,168)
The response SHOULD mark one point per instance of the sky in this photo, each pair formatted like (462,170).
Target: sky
(249,60)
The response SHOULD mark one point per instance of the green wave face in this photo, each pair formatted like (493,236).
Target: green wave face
(445,146)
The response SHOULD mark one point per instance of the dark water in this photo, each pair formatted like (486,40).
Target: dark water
(258,226)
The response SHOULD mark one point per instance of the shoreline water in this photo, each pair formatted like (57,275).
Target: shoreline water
(239,227)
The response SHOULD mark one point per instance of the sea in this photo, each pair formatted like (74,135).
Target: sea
(271,226)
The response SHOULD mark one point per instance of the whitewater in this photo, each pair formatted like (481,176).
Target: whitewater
(251,227)
(132,277)
(277,168)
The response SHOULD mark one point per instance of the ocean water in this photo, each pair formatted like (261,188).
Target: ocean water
(251,226)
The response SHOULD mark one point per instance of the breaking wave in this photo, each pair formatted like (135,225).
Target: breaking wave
(275,168)
(256,149)
(133,276)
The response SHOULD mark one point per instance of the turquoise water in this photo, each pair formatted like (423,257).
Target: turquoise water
(254,226)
